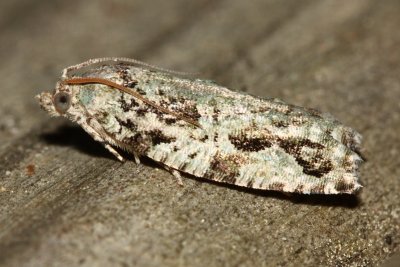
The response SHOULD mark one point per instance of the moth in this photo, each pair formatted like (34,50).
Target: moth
(197,127)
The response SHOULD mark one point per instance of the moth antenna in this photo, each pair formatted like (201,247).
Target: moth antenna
(123,60)
(86,80)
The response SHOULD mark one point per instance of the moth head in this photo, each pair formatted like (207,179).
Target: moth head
(59,102)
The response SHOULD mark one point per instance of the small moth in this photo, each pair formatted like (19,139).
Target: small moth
(197,127)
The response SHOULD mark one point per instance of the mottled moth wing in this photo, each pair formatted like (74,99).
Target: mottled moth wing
(242,140)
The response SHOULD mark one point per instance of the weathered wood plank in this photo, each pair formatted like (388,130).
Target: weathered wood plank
(64,201)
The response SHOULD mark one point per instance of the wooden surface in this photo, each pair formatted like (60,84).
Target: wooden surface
(64,201)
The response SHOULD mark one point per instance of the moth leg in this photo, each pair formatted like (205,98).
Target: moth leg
(178,177)
(137,159)
(114,152)
(176,174)
(97,132)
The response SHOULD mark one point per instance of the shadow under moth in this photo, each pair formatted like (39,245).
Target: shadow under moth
(197,127)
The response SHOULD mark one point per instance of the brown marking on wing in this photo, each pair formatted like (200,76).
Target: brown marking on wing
(127,106)
(276,186)
(215,115)
(138,142)
(250,183)
(185,106)
(317,166)
(193,155)
(342,186)
(225,168)
(157,137)
(250,144)
(280,124)
(128,124)
(123,73)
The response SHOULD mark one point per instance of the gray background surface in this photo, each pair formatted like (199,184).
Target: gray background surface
(64,201)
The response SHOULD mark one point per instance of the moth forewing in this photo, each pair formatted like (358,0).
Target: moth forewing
(203,129)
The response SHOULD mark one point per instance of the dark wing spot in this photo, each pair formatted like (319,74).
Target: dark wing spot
(132,84)
(193,155)
(216,114)
(188,111)
(349,140)
(141,111)
(123,73)
(172,100)
(251,144)
(298,120)
(183,165)
(276,186)
(157,137)
(138,142)
(215,137)
(140,91)
(225,168)
(170,121)
(128,124)
(250,183)
(280,124)
(185,107)
(348,163)
(222,169)
(204,138)
(127,106)
(261,109)
(317,166)
(101,116)
(342,186)
(191,112)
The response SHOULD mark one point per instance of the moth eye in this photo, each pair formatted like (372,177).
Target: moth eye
(62,102)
